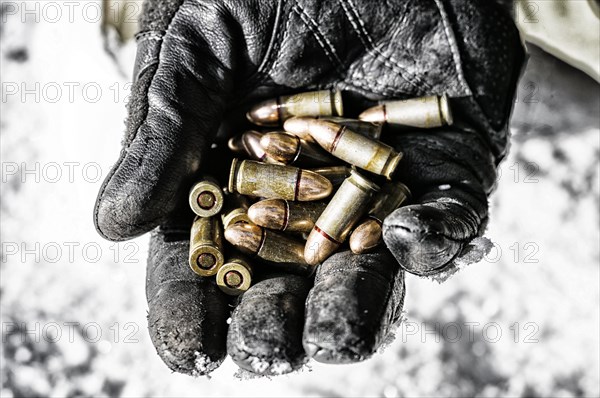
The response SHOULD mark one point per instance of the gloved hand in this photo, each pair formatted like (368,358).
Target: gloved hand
(201,64)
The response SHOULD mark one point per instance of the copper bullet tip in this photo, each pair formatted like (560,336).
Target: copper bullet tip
(281,146)
(236,145)
(264,113)
(366,236)
(246,237)
(298,126)
(269,213)
(312,186)
(251,144)
(375,114)
(319,246)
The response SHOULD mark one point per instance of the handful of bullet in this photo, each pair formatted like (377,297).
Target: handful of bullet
(302,185)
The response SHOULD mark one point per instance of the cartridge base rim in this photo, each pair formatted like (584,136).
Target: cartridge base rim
(242,270)
(205,248)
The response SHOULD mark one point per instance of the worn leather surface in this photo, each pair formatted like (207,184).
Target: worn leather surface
(202,63)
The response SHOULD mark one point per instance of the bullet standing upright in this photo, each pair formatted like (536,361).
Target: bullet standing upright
(235,276)
(206,246)
(206,198)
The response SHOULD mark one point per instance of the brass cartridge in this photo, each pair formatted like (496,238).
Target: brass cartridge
(277,249)
(206,198)
(284,215)
(424,112)
(277,181)
(235,209)
(235,276)
(274,112)
(348,205)
(351,147)
(206,246)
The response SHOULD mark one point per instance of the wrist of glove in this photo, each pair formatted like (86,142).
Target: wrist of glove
(201,62)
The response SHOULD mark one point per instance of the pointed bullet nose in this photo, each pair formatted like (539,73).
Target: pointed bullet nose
(318,247)
(251,143)
(236,145)
(269,213)
(312,186)
(280,146)
(375,114)
(246,237)
(365,237)
(264,113)
(298,126)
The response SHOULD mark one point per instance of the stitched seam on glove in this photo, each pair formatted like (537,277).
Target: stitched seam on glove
(370,46)
(281,35)
(264,68)
(324,43)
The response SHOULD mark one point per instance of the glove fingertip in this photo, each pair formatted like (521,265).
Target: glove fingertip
(265,335)
(349,309)
(417,238)
(187,324)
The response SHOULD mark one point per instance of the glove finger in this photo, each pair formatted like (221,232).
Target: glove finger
(426,238)
(187,314)
(450,174)
(355,301)
(265,334)
(174,111)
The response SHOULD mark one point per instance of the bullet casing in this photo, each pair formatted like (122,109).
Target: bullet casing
(235,276)
(368,129)
(347,206)
(284,252)
(424,112)
(206,198)
(290,149)
(287,216)
(206,246)
(277,181)
(273,112)
(351,147)
(279,250)
(350,202)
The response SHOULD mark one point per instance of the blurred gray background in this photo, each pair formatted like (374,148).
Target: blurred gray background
(522,322)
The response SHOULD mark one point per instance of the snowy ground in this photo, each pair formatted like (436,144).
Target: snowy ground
(525,321)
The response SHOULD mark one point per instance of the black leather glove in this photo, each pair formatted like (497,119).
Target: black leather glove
(201,64)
